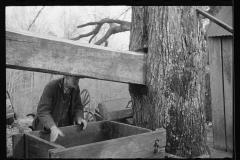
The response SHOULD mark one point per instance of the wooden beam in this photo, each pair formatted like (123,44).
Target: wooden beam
(215,20)
(119,114)
(41,53)
(43,70)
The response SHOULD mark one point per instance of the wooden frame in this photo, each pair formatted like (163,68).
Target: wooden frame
(104,139)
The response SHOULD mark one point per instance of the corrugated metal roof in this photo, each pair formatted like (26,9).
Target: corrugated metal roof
(225,15)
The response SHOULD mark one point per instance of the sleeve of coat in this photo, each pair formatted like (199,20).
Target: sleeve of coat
(78,109)
(45,107)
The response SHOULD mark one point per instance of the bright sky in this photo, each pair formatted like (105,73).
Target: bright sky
(50,17)
(84,14)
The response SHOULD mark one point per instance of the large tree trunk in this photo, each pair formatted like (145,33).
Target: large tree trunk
(174,93)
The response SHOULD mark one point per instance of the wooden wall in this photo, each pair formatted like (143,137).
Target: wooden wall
(220,58)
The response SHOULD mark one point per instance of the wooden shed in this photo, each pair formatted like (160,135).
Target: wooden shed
(220,48)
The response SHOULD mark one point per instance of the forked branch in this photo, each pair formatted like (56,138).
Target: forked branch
(113,29)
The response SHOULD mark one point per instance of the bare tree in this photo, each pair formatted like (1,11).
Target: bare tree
(35,18)
(172,38)
(113,29)
(19,82)
(68,22)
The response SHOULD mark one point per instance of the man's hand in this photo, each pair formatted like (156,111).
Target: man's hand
(82,121)
(55,131)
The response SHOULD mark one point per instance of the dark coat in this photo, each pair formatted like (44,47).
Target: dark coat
(51,103)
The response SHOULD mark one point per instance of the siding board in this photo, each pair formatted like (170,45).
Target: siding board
(214,48)
(227,73)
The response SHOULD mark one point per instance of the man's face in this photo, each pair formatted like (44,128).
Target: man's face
(72,82)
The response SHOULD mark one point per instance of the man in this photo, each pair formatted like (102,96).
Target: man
(60,105)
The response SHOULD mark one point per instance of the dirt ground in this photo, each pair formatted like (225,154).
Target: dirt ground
(23,128)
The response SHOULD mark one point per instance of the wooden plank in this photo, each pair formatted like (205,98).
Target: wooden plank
(107,109)
(95,132)
(214,48)
(28,49)
(215,20)
(227,43)
(37,147)
(44,71)
(116,104)
(75,135)
(136,146)
(129,120)
(18,144)
(125,113)
(118,130)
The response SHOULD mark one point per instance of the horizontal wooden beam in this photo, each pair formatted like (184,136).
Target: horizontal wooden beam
(34,52)
(33,69)
(215,20)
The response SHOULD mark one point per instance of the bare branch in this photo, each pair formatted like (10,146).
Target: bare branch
(92,38)
(124,26)
(95,31)
(35,18)
(106,20)
(106,44)
(112,30)
(124,12)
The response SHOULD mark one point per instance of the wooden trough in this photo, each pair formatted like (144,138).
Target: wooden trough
(104,139)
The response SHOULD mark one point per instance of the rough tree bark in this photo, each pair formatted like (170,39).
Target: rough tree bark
(173,96)
(174,93)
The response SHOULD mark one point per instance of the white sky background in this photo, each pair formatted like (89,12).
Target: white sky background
(49,20)
(50,17)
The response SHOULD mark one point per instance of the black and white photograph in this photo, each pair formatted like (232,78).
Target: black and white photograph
(119,81)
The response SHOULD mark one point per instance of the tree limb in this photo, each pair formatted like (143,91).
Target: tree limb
(35,18)
(112,30)
(92,38)
(122,27)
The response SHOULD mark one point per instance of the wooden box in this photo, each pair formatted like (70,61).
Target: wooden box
(104,139)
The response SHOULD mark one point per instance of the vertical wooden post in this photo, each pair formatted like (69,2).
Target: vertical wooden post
(228,97)
(219,141)
(18,146)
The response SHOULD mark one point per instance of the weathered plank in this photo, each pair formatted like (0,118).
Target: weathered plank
(216,79)
(125,113)
(95,132)
(75,135)
(30,50)
(116,104)
(117,130)
(228,90)
(135,146)
(215,20)
(18,145)
(37,147)
(115,109)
